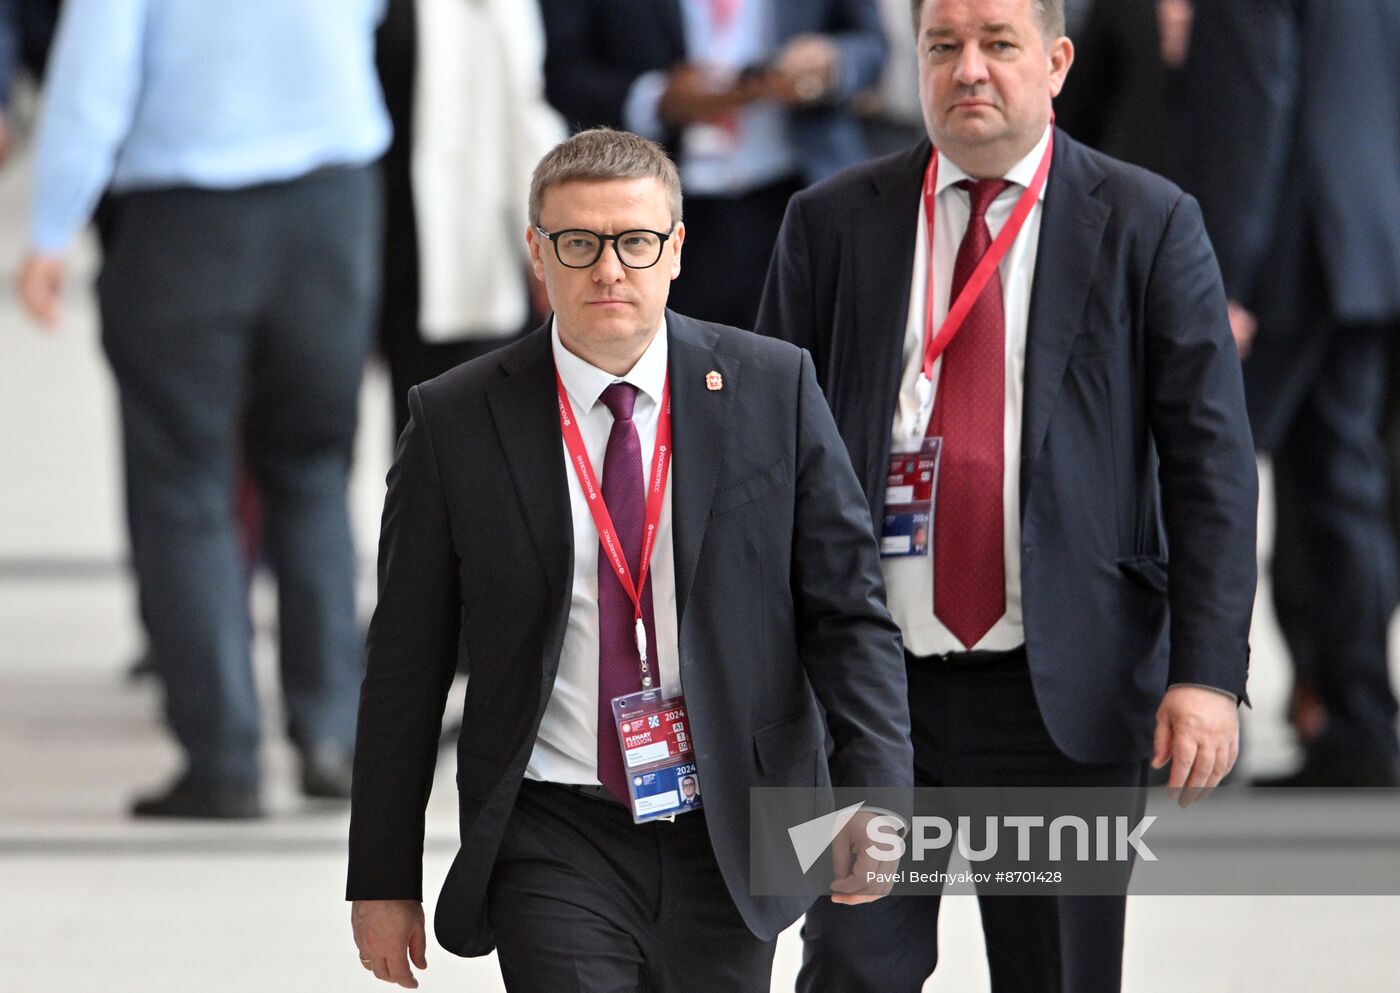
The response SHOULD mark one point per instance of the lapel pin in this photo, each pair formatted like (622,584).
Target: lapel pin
(713,381)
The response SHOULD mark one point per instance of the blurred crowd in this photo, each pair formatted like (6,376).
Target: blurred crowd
(282,190)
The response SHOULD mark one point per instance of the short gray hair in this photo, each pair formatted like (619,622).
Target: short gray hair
(1050,14)
(602,153)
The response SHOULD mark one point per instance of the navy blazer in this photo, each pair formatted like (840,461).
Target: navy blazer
(1294,111)
(1134,443)
(784,636)
(596,49)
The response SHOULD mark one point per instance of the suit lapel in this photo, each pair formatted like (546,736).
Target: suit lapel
(1071,231)
(525,407)
(699,425)
(862,381)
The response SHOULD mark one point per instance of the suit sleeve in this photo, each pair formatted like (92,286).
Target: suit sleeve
(1242,86)
(412,657)
(788,308)
(9,48)
(848,644)
(585,90)
(1207,472)
(860,40)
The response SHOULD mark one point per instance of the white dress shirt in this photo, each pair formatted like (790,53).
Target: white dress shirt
(909,580)
(566,748)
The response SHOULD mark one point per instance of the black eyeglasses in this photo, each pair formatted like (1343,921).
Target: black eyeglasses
(579,248)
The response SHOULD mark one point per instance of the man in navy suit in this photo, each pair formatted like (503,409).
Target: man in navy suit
(761,602)
(1087,602)
(1292,104)
(749,97)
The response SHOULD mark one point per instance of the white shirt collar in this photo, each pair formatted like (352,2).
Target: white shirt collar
(1022,173)
(586,382)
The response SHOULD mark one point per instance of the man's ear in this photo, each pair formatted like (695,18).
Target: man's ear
(534,243)
(1061,58)
(675,242)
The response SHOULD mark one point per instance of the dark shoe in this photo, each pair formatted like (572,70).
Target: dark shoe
(1317,774)
(326,772)
(200,799)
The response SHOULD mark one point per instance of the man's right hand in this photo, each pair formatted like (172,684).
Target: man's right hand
(1244,326)
(691,99)
(388,934)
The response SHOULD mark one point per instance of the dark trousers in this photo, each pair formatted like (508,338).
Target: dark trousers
(584,901)
(977,726)
(1334,570)
(728,244)
(242,319)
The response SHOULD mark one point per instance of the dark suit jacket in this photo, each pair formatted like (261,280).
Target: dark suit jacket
(1294,111)
(596,49)
(1134,440)
(779,596)
(1121,98)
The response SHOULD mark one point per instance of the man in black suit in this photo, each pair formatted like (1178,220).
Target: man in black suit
(749,97)
(1091,419)
(762,604)
(1295,158)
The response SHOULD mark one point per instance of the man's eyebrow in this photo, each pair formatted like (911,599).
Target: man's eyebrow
(991,27)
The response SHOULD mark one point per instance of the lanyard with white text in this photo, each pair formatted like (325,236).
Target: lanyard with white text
(607,534)
(934,344)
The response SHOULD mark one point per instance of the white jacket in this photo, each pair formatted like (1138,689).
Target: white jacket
(480,124)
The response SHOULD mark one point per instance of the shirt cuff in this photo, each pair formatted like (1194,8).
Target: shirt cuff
(640,111)
(1213,689)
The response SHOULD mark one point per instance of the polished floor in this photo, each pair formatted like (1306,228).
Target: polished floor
(91,902)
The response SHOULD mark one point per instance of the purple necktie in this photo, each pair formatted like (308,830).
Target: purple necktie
(619,668)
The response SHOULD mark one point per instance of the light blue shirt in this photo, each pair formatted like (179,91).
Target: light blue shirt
(759,150)
(217,94)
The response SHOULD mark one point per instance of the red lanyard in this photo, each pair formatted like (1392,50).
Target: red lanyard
(934,344)
(607,534)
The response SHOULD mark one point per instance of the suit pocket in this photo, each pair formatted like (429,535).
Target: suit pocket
(1148,570)
(781,745)
(748,490)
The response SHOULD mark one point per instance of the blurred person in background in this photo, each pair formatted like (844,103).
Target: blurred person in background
(464,85)
(749,97)
(1125,97)
(26,28)
(237,297)
(1293,111)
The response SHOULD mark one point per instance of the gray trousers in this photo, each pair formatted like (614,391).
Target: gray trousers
(237,325)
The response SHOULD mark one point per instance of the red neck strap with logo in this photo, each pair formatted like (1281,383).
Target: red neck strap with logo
(656,490)
(935,343)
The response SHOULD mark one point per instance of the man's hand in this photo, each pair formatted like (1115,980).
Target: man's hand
(388,933)
(803,72)
(40,284)
(1198,730)
(852,865)
(692,98)
(1243,326)
(1174,26)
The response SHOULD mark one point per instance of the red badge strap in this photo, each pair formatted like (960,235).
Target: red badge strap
(607,534)
(934,344)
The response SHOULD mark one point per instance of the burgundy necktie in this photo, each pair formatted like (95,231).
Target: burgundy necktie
(619,668)
(969,588)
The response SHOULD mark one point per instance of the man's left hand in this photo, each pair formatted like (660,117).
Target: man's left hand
(857,874)
(1198,731)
